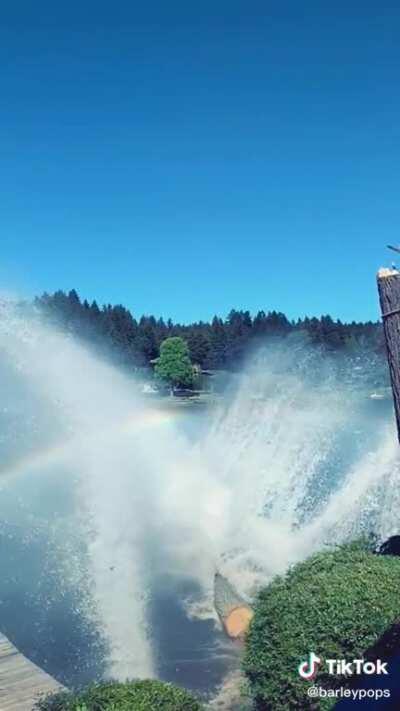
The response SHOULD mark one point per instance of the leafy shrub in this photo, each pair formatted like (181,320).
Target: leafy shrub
(174,365)
(113,696)
(336,604)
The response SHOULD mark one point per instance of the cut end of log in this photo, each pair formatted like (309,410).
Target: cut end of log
(233,611)
(385,272)
(237,622)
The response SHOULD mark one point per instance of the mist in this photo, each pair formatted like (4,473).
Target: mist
(126,494)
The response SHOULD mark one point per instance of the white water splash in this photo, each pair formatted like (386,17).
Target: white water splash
(93,406)
(289,463)
(301,463)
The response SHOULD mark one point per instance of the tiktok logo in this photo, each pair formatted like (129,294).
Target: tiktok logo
(308,669)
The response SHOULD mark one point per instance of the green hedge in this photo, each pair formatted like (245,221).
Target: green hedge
(145,695)
(336,604)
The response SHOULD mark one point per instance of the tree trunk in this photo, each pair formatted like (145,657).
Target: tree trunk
(234,613)
(389,297)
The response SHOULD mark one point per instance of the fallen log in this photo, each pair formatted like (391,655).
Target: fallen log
(233,611)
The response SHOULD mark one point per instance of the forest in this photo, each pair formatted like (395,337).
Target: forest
(222,343)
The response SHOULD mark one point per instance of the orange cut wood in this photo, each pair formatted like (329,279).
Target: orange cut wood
(237,622)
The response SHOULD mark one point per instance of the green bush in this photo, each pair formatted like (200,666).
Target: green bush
(132,696)
(336,604)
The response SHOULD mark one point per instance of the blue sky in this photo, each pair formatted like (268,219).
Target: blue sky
(186,158)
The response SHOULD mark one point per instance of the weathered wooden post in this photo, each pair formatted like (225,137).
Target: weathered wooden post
(389,297)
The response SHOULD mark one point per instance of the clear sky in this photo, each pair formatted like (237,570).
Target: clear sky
(184,158)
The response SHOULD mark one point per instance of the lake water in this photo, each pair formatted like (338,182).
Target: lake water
(43,601)
(115,512)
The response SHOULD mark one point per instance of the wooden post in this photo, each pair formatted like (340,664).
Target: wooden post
(389,297)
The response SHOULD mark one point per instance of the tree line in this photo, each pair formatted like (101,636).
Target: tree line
(222,343)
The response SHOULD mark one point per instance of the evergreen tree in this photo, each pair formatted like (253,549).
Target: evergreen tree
(223,344)
(199,347)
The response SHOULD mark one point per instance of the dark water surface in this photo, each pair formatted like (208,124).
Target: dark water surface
(45,602)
